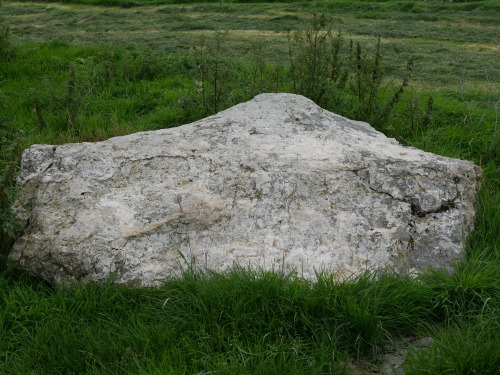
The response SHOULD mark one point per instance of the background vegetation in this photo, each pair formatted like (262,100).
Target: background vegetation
(81,72)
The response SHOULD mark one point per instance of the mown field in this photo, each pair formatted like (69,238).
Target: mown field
(87,70)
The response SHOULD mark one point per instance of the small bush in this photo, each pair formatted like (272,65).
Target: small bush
(218,85)
(339,75)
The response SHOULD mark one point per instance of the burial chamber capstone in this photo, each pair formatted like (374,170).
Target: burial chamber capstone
(276,183)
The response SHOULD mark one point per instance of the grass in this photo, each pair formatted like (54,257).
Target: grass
(478,341)
(82,72)
(241,322)
(437,47)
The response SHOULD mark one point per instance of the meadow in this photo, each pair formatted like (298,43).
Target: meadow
(87,70)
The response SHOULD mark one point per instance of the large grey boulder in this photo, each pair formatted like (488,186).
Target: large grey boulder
(275,183)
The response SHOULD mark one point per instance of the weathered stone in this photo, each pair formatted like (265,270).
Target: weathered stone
(276,182)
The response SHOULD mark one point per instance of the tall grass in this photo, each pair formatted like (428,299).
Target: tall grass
(468,348)
(242,321)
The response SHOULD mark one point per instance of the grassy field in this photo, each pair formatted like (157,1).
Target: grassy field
(87,70)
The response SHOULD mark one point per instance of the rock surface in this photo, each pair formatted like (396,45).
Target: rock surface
(276,183)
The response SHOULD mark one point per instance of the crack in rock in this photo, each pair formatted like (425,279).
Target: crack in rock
(445,206)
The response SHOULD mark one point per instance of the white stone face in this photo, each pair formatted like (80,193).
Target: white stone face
(276,183)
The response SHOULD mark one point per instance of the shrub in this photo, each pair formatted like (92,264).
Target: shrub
(339,75)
